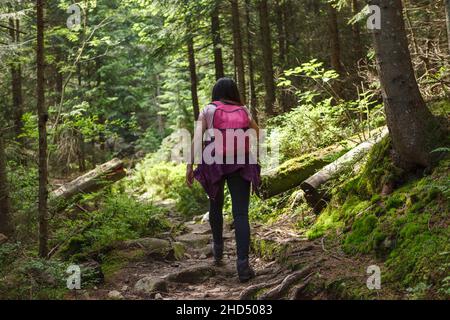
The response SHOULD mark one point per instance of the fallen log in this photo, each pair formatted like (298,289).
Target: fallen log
(311,186)
(293,172)
(92,181)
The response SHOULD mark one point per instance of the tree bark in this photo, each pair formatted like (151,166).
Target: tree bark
(356,30)
(281,49)
(335,44)
(5,205)
(217,41)
(42,123)
(251,69)
(291,42)
(193,74)
(293,172)
(266,45)
(238,51)
(92,181)
(312,185)
(288,13)
(16,81)
(412,127)
(281,33)
(447,19)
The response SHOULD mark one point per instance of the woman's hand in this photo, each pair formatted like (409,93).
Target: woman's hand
(189,175)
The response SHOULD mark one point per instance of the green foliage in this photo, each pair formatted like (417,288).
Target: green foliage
(321,117)
(23,182)
(165,180)
(119,218)
(29,277)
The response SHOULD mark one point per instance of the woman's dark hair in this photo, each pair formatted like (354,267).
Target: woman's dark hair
(226,89)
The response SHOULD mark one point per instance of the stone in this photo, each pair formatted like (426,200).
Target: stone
(192,275)
(153,247)
(151,285)
(158,296)
(115,295)
(179,249)
(196,241)
(125,288)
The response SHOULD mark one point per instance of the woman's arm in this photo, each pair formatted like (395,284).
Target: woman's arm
(196,148)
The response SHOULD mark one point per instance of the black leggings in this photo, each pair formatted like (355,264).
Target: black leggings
(240,199)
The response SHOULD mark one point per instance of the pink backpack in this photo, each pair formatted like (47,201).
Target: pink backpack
(230,117)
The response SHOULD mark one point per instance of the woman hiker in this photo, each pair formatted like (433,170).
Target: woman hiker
(226,113)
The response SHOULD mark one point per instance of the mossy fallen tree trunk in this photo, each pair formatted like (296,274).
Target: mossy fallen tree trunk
(311,186)
(293,172)
(94,180)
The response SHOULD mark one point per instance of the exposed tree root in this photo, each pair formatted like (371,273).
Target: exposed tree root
(297,292)
(280,290)
(251,291)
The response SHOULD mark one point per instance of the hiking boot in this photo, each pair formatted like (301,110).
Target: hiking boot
(217,253)
(245,272)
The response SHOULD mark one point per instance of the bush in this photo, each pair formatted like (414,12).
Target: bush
(120,218)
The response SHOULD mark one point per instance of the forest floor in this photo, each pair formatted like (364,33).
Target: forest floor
(287,267)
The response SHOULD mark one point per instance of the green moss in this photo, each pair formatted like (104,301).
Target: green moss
(269,250)
(358,240)
(292,172)
(408,229)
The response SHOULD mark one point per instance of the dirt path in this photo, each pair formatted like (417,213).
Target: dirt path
(302,269)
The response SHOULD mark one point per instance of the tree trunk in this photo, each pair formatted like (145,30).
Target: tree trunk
(251,69)
(237,47)
(311,186)
(5,206)
(16,81)
(92,181)
(217,41)
(193,74)
(357,43)
(281,33)
(294,171)
(335,44)
(291,42)
(288,13)
(266,45)
(42,123)
(447,18)
(81,153)
(412,127)
(281,49)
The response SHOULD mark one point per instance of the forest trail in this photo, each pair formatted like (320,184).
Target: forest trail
(302,269)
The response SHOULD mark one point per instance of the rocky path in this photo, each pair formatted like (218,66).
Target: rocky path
(182,268)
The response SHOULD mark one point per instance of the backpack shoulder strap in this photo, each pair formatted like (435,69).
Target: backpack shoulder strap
(217,103)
